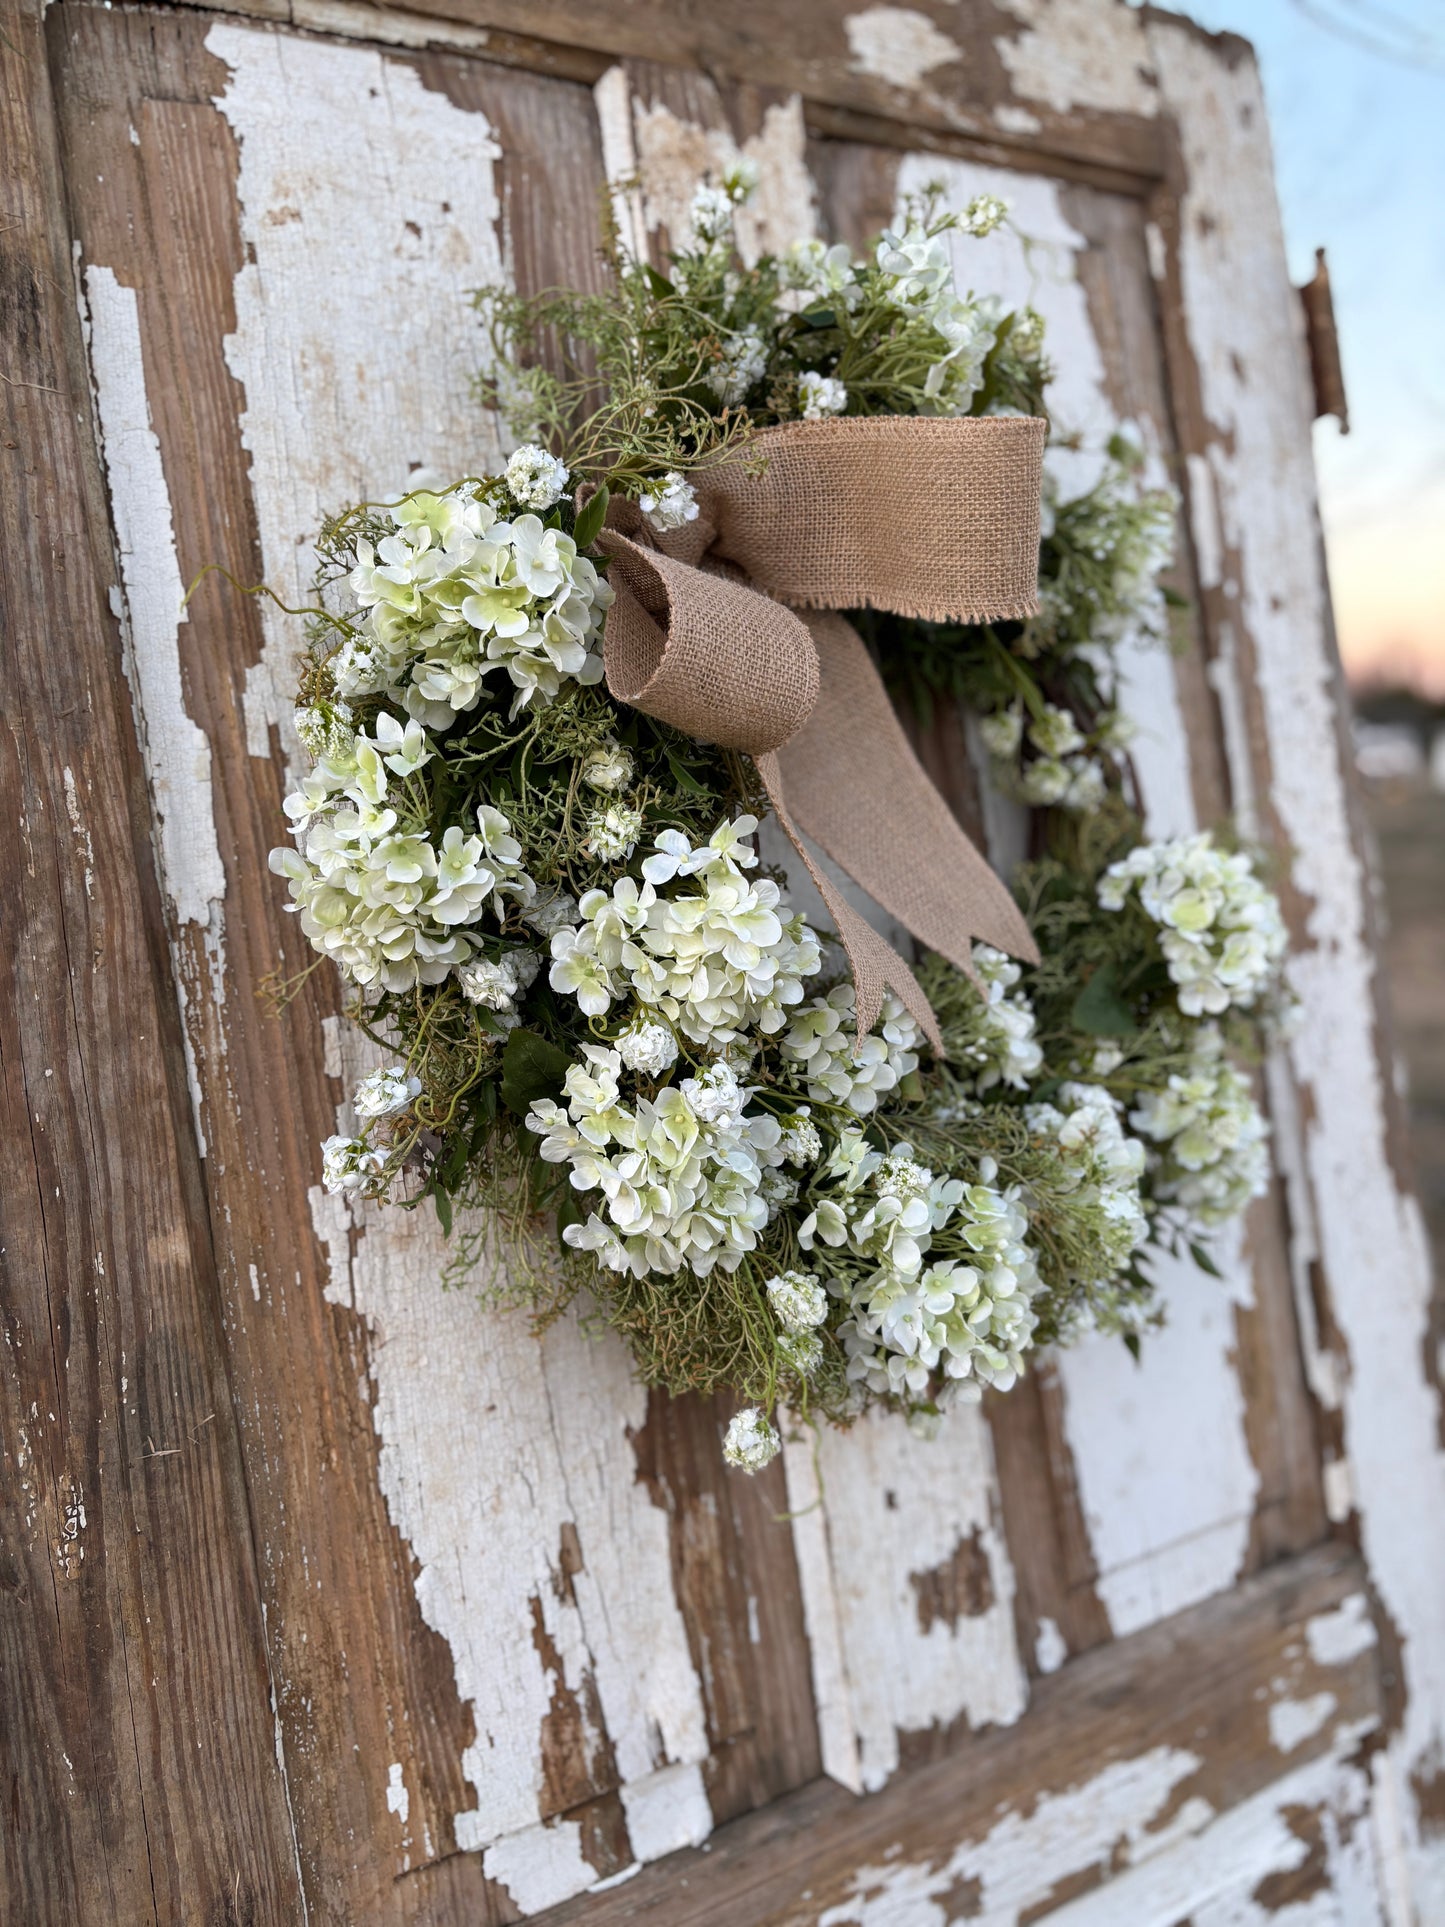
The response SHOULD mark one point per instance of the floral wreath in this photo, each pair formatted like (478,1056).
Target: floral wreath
(618,1049)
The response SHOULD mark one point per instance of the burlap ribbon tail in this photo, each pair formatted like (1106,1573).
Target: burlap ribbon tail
(718,629)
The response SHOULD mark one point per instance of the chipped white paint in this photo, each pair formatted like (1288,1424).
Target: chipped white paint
(1050,1647)
(398,1800)
(1243,326)
(350,381)
(895,1509)
(898,45)
(1292,1722)
(178,755)
(645,142)
(1026,1854)
(1160,1451)
(1079,53)
(539,1867)
(1217,1877)
(491,1441)
(1343,1634)
(78,829)
(667,1810)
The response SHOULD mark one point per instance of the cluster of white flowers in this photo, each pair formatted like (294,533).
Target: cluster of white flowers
(1214,1150)
(608,768)
(1060,775)
(1101,1164)
(1002,1047)
(375,893)
(822,1047)
(669,503)
(812,270)
(966,1318)
(715,957)
(919,266)
(1221,930)
(500,986)
(821,395)
(744,358)
(680,1174)
(352,1165)
(535,479)
(382,1093)
(751,1442)
(456,593)
(712,208)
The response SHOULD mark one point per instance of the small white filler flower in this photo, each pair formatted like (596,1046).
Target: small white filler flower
(751,1441)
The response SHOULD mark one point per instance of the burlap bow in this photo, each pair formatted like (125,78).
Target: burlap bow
(934,519)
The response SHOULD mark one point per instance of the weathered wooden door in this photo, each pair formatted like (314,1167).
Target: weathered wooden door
(330,1595)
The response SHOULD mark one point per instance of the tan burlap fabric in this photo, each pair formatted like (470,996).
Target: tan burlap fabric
(937,519)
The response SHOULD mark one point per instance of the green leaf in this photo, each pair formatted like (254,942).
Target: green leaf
(588,525)
(819,318)
(444,1209)
(659,283)
(531,1068)
(1131,1339)
(683,774)
(1099,1010)
(1205,1262)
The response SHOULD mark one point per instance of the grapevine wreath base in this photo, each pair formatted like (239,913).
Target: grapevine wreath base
(778,1163)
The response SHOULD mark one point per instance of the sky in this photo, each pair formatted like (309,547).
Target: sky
(1356,92)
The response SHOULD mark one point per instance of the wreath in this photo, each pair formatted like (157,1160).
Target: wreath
(779,1161)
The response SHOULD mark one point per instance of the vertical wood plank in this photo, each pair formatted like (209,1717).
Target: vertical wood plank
(143,1777)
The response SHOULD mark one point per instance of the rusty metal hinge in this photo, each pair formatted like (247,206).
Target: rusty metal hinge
(1324,345)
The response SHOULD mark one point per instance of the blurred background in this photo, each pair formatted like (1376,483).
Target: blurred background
(1356,92)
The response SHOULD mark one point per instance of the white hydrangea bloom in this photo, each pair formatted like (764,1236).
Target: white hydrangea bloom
(1214,1151)
(797,1299)
(751,1441)
(1221,930)
(697,942)
(647,1048)
(350,1164)
(550,912)
(966,1320)
(373,892)
(800,1351)
(984,213)
(670,503)
(1101,1163)
(821,1044)
(456,594)
(820,395)
(383,1092)
(1055,733)
(498,986)
(1001,1047)
(535,479)
(608,768)
(1003,732)
(744,359)
(679,1175)
(711,215)
(612,834)
(800,1142)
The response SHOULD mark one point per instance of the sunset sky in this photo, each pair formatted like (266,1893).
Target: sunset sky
(1356,93)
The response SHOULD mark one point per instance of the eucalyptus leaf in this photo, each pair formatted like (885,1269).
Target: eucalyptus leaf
(1200,1254)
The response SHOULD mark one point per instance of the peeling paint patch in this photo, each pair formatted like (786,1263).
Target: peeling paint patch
(398,1800)
(1292,1722)
(898,45)
(1336,1637)
(1076,53)
(539,1866)
(177,751)
(1050,1647)
(667,1810)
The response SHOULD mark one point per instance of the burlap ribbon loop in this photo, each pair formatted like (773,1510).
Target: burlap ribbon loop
(928,518)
